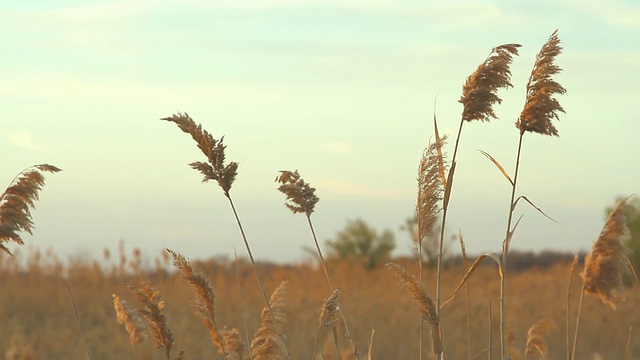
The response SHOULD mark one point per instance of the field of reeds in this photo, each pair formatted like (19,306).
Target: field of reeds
(331,308)
(38,319)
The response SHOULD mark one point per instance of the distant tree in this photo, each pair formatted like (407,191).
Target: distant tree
(360,241)
(632,212)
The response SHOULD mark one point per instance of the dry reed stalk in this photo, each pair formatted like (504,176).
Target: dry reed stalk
(75,311)
(328,319)
(266,343)
(424,302)
(301,198)
(16,202)
(205,297)
(568,330)
(151,309)
(465,263)
(224,174)
(131,321)
(607,262)
(536,347)
(539,109)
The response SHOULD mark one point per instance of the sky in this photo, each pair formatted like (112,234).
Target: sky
(342,90)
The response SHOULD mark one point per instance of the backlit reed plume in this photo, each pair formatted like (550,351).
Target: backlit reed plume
(232,340)
(425,304)
(539,109)
(541,106)
(536,348)
(430,192)
(431,186)
(301,198)
(607,262)
(205,297)
(266,343)
(131,321)
(151,309)
(224,174)
(328,319)
(16,203)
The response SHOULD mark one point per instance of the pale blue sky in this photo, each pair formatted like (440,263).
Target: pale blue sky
(342,90)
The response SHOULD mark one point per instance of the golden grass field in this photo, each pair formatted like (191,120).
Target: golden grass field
(37,315)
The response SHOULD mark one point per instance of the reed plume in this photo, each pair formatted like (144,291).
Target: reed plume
(541,106)
(224,174)
(606,262)
(130,319)
(215,169)
(328,319)
(424,302)
(266,343)
(151,309)
(479,91)
(205,297)
(16,203)
(234,346)
(536,348)
(301,198)
(430,191)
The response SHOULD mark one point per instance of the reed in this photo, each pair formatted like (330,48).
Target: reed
(16,202)
(216,169)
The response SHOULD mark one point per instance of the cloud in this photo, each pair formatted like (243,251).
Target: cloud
(23,140)
(344,187)
(336,147)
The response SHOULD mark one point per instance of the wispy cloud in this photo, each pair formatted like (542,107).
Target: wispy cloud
(343,187)
(336,147)
(23,140)
(625,14)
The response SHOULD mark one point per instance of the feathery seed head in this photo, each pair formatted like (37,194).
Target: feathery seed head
(266,343)
(301,196)
(215,167)
(606,262)
(16,203)
(479,91)
(330,308)
(425,303)
(541,106)
(150,309)
(130,319)
(536,348)
(430,190)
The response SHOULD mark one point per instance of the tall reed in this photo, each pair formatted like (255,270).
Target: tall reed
(479,94)
(540,108)
(215,169)
(301,198)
